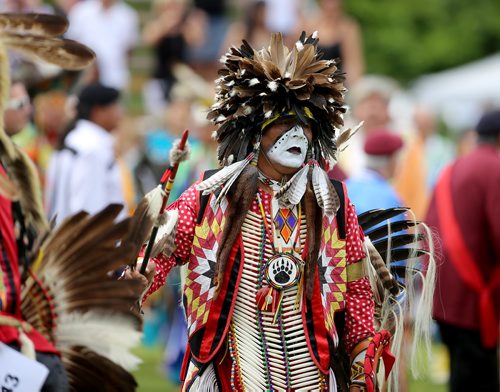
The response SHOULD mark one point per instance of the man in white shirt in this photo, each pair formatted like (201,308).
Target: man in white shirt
(111,29)
(83,174)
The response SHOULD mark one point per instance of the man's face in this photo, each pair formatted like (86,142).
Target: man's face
(18,109)
(286,145)
(374,111)
(109,116)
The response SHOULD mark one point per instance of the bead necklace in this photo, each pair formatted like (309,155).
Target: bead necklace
(282,270)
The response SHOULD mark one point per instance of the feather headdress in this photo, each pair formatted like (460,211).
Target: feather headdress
(255,86)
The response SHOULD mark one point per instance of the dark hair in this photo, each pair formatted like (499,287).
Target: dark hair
(92,95)
(251,18)
(488,127)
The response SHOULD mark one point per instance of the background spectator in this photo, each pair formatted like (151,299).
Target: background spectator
(340,38)
(371,188)
(426,155)
(84,174)
(110,28)
(465,210)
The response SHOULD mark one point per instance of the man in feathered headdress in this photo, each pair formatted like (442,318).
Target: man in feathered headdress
(275,292)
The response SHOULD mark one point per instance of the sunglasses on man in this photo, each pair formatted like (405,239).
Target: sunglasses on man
(18,103)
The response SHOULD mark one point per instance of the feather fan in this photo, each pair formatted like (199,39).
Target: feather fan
(75,302)
(394,281)
(89,371)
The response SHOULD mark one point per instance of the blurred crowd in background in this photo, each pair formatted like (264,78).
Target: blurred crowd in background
(153,77)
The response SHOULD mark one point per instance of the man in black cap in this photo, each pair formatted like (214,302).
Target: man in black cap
(83,173)
(465,210)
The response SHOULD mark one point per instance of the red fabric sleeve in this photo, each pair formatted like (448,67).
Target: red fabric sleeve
(360,307)
(186,205)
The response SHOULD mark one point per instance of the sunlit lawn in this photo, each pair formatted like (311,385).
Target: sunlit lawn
(151,378)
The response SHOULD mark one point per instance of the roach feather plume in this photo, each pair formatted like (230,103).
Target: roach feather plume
(255,85)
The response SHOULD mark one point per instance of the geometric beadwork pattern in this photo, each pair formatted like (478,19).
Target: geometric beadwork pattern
(198,288)
(333,272)
(285,222)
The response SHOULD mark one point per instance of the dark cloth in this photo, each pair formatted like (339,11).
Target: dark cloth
(475,182)
(331,52)
(96,94)
(168,51)
(211,7)
(57,380)
(472,367)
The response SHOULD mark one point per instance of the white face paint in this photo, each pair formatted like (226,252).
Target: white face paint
(290,149)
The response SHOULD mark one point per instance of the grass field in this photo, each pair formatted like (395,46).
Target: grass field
(151,378)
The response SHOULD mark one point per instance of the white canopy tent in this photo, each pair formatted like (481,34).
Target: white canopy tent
(461,94)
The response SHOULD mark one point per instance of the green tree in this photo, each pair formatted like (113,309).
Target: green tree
(405,39)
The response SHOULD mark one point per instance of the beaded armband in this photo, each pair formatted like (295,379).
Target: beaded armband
(357,360)
(365,359)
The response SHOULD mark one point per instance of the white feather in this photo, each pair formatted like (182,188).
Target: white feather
(214,182)
(273,85)
(111,336)
(233,178)
(177,155)
(167,228)
(326,196)
(253,82)
(294,189)
(299,45)
(315,34)
(155,199)
(220,118)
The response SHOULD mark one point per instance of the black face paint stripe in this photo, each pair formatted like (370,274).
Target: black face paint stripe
(280,138)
